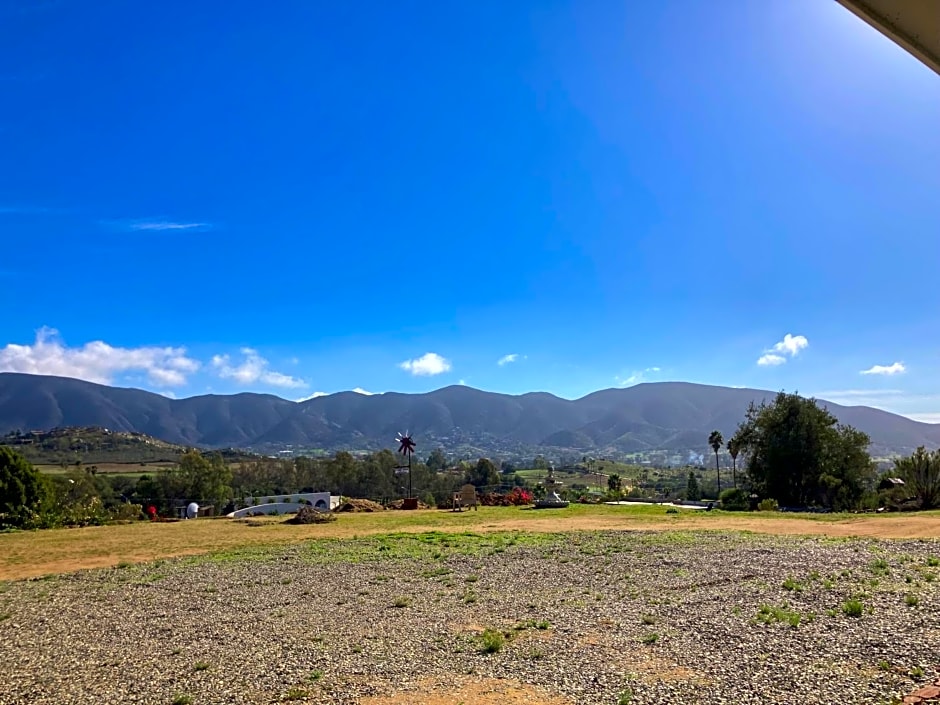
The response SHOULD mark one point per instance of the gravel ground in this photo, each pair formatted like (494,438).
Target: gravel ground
(609,617)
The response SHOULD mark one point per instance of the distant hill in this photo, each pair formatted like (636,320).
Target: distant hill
(656,416)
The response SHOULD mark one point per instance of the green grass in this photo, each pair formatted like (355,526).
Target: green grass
(401,602)
(182,699)
(201,666)
(650,639)
(792,585)
(852,608)
(492,641)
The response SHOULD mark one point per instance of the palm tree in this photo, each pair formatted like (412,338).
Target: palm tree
(734,445)
(716,440)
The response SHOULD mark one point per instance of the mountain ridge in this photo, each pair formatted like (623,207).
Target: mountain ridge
(669,416)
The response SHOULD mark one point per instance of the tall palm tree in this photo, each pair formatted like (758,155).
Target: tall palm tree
(734,445)
(716,440)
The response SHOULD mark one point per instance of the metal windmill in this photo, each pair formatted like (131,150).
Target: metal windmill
(406,446)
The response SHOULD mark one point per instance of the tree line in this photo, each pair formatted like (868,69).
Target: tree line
(797,454)
(792,453)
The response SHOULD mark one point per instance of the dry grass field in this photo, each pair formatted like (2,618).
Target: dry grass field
(37,553)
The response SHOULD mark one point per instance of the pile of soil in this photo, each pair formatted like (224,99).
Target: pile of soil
(400,503)
(309,515)
(360,505)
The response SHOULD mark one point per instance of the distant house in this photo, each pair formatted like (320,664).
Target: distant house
(889,483)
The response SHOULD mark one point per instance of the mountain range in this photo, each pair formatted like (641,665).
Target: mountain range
(672,416)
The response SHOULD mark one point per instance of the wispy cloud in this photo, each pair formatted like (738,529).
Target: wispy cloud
(636,377)
(23,210)
(427,365)
(507,359)
(896,368)
(253,368)
(159,225)
(789,347)
(364,392)
(315,395)
(97,361)
(929,417)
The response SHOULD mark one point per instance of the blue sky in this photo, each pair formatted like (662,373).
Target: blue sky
(309,197)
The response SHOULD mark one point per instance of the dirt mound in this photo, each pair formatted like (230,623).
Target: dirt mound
(309,515)
(360,505)
(400,504)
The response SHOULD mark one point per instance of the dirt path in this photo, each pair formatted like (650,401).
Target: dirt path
(31,554)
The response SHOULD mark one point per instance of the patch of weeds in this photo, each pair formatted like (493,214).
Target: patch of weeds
(182,699)
(315,676)
(879,567)
(201,666)
(176,652)
(933,561)
(814,576)
(286,581)
(792,585)
(536,654)
(543,624)
(771,614)
(625,697)
(470,597)
(492,641)
(472,578)
(929,576)
(911,600)
(648,619)
(650,639)
(852,608)
(295,694)
(357,649)
(436,572)
(123,564)
(916,672)
(884,665)
(402,601)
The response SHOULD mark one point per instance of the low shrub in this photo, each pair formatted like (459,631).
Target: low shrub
(734,500)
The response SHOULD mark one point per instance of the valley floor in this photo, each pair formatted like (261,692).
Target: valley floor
(487,617)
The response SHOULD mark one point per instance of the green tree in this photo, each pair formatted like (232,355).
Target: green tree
(205,479)
(715,440)
(437,461)
(23,490)
(483,474)
(921,474)
(798,454)
(692,491)
(615,483)
(734,447)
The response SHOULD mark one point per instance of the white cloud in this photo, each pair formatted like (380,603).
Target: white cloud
(312,396)
(427,365)
(507,359)
(360,390)
(770,360)
(159,225)
(790,346)
(97,361)
(892,369)
(462,382)
(929,417)
(253,368)
(635,377)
